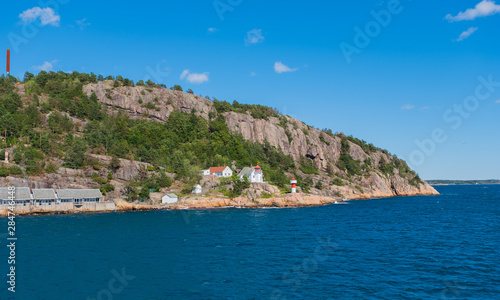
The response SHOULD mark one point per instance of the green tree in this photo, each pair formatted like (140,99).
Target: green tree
(75,156)
(177,88)
(114,164)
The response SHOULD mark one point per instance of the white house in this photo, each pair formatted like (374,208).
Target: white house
(254,174)
(169,198)
(221,171)
(205,172)
(197,189)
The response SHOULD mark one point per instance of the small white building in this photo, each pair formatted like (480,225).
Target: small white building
(224,171)
(254,175)
(197,189)
(169,198)
(205,172)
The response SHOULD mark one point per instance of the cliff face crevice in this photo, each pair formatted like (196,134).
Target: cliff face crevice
(290,135)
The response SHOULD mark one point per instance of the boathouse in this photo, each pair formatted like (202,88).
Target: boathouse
(44,196)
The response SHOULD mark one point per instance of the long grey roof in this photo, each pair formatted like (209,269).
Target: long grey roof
(171,195)
(246,171)
(78,193)
(21,193)
(41,194)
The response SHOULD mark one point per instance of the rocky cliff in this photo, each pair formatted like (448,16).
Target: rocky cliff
(290,135)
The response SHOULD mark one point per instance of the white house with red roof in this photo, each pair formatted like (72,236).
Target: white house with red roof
(254,174)
(223,171)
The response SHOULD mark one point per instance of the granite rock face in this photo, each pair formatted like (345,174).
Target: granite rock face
(290,135)
(165,101)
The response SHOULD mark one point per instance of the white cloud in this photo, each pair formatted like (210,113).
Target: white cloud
(47,16)
(184,74)
(279,68)
(212,30)
(408,107)
(498,101)
(483,9)
(253,74)
(46,66)
(425,108)
(464,35)
(82,23)
(195,78)
(254,36)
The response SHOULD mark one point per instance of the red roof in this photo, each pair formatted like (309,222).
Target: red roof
(217,169)
(258,169)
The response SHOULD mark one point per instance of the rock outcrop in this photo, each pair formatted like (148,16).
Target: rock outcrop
(162,101)
(290,135)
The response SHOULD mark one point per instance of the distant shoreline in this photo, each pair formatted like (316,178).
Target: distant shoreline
(446,184)
(463,182)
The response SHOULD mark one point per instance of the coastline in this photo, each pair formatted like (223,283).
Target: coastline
(447,184)
(288,201)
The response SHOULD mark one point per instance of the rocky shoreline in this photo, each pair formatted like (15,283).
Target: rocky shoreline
(288,201)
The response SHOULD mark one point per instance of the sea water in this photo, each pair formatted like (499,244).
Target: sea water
(425,247)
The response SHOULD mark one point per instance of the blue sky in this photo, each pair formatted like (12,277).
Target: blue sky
(397,88)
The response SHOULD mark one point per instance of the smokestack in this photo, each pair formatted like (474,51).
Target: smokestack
(8,62)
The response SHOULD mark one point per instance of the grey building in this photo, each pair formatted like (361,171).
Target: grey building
(44,196)
(22,196)
(79,196)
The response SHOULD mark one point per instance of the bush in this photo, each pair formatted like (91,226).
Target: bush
(256,111)
(322,138)
(346,162)
(308,166)
(107,188)
(386,168)
(319,185)
(338,181)
(266,195)
(308,182)
(144,193)
(150,105)
(32,168)
(51,168)
(177,88)
(238,186)
(416,181)
(114,164)
(289,136)
(4,172)
(368,148)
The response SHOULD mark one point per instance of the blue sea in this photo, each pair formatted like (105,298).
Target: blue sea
(433,247)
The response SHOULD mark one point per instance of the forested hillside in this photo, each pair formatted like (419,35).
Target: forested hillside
(52,121)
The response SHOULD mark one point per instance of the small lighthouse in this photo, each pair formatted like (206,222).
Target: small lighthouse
(294,183)
(257,175)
